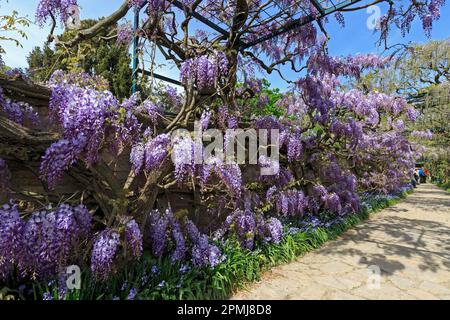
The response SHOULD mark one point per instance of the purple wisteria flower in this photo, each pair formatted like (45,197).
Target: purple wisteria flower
(88,118)
(157,232)
(103,253)
(204,254)
(153,110)
(205,71)
(53,8)
(274,229)
(178,237)
(133,237)
(19,112)
(41,245)
(156,150)
(124,34)
(11,239)
(246,228)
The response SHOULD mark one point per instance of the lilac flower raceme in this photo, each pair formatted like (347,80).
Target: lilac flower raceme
(294,146)
(124,34)
(39,246)
(204,254)
(274,229)
(178,237)
(103,253)
(422,134)
(183,156)
(174,97)
(157,232)
(205,71)
(59,157)
(133,237)
(11,239)
(412,114)
(85,116)
(152,109)
(18,112)
(205,119)
(48,8)
(156,150)
(137,157)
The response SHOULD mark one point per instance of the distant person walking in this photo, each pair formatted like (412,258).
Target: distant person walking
(427,173)
(417,176)
(423,176)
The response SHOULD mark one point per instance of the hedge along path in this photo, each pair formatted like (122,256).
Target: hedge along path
(409,244)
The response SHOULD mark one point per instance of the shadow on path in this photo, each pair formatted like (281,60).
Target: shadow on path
(398,232)
(409,242)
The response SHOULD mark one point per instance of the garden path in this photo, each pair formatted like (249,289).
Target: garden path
(408,242)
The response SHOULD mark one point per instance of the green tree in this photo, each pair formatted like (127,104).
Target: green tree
(265,103)
(10,30)
(413,71)
(98,56)
(422,75)
(42,62)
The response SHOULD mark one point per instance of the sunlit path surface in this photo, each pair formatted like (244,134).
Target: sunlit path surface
(409,243)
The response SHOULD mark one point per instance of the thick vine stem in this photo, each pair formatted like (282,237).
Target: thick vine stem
(21,143)
(21,90)
(103,24)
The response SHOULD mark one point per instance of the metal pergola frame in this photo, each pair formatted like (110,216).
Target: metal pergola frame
(295,24)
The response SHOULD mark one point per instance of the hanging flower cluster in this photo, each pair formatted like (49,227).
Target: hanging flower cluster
(104,251)
(55,8)
(250,227)
(39,246)
(124,34)
(85,116)
(19,112)
(204,254)
(206,71)
(422,134)
(164,231)
(334,143)
(107,244)
(150,154)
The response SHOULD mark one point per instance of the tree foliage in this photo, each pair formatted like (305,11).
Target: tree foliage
(98,56)
(422,75)
(414,70)
(11,28)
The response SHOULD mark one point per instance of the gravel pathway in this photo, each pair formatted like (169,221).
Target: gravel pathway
(402,252)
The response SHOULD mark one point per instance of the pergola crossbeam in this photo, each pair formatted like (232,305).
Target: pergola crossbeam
(300,22)
(318,6)
(201,18)
(160,77)
(295,24)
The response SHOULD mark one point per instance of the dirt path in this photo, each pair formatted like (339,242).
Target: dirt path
(409,243)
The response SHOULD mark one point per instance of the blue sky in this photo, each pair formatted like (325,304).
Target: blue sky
(354,38)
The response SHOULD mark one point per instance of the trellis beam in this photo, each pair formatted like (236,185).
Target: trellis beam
(299,23)
(160,77)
